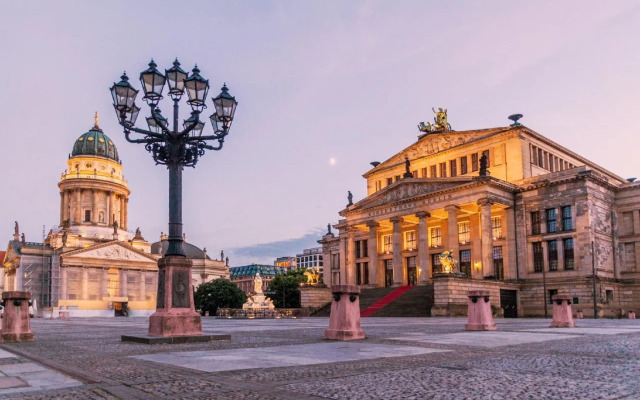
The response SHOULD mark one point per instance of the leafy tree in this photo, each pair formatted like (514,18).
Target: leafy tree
(218,293)
(284,289)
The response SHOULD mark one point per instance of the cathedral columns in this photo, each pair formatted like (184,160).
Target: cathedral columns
(66,210)
(85,283)
(94,209)
(105,282)
(126,212)
(123,283)
(61,207)
(398,270)
(142,293)
(452,230)
(121,222)
(486,237)
(64,283)
(376,277)
(423,247)
(351,257)
(511,264)
(109,218)
(77,218)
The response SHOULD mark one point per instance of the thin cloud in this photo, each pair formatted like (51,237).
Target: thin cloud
(266,253)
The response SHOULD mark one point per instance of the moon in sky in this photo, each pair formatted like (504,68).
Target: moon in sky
(332,161)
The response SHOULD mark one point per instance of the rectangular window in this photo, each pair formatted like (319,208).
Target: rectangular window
(538,258)
(540,158)
(534,155)
(464,234)
(378,185)
(567,223)
(389,181)
(498,263)
(567,245)
(335,261)
(453,168)
(551,220)
(415,173)
(387,244)
(397,178)
(87,215)
(435,236)
(424,172)
(552,251)
(435,262)
(358,274)
(496,227)
(463,165)
(443,170)
(535,222)
(365,268)
(465,262)
(410,240)
(433,172)
(486,153)
(358,248)
(365,250)
(474,162)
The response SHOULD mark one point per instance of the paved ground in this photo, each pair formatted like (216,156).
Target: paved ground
(401,358)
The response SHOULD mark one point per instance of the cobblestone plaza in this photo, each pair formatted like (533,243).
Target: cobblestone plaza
(401,358)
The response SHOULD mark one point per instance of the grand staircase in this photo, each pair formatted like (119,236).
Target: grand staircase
(403,301)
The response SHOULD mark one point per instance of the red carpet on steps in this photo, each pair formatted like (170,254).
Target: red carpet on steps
(375,307)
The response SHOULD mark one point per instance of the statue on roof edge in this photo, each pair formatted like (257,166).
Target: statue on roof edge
(441,124)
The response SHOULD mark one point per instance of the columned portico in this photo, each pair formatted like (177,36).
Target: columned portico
(452,229)
(376,277)
(351,256)
(423,247)
(399,278)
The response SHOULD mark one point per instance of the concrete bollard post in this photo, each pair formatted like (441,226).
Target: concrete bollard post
(16,325)
(562,315)
(479,312)
(632,315)
(344,322)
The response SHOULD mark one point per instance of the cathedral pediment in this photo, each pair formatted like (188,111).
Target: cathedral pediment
(405,190)
(114,251)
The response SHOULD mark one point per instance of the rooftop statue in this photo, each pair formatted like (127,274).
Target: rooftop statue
(440,122)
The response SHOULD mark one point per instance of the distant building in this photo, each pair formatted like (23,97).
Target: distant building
(288,263)
(243,276)
(311,258)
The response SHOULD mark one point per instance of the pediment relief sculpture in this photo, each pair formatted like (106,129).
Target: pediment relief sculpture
(114,253)
(406,191)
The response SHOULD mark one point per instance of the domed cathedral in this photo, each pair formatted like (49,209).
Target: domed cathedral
(92,264)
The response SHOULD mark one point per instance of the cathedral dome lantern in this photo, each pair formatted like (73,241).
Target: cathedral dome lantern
(95,143)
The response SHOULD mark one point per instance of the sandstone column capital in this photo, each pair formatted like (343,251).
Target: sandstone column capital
(396,220)
(423,214)
(372,224)
(451,208)
(484,202)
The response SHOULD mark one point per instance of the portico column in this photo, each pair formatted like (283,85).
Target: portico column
(126,213)
(487,238)
(121,222)
(105,282)
(511,264)
(109,219)
(372,249)
(65,211)
(342,248)
(61,207)
(423,247)
(94,211)
(351,256)
(64,289)
(142,293)
(398,271)
(85,283)
(123,283)
(77,212)
(452,230)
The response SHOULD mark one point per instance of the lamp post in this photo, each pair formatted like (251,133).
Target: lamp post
(176,148)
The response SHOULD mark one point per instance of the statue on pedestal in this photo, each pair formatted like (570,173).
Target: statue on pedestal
(257,283)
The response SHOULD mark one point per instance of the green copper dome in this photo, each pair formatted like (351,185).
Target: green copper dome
(95,143)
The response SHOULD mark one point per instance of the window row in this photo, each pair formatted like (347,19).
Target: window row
(551,220)
(451,168)
(548,161)
(552,255)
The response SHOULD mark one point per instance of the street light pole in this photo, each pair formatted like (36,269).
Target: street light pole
(176,149)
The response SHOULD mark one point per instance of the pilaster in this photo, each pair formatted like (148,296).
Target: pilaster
(487,238)
(423,247)
(398,271)
(376,275)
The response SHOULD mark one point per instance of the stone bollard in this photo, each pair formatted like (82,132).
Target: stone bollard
(16,326)
(632,315)
(344,322)
(562,315)
(579,314)
(479,311)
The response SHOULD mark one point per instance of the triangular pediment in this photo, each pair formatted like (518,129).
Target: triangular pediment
(112,251)
(407,189)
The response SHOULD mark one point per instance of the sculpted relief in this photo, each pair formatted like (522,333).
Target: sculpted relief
(115,253)
(408,190)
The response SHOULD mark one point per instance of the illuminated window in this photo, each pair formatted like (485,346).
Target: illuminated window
(464,233)
(387,244)
(410,240)
(435,237)
(453,168)
(463,165)
(474,162)
(535,222)
(496,227)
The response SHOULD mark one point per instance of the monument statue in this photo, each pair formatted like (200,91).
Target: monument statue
(115,227)
(221,255)
(226,261)
(312,276)
(16,228)
(257,284)
(329,229)
(407,166)
(448,262)
(349,198)
(441,124)
(483,166)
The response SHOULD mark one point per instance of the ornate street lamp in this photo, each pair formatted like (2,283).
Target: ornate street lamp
(175,148)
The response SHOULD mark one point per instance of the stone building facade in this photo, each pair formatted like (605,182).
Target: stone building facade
(91,264)
(537,219)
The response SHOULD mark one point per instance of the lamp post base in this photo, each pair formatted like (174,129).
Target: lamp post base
(175,314)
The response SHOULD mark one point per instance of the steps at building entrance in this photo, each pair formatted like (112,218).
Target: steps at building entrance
(383,302)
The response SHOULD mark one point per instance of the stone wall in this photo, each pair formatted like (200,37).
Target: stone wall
(314,297)
(450,295)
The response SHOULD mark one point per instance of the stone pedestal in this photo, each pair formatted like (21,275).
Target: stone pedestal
(632,315)
(479,312)
(16,326)
(175,313)
(562,314)
(344,322)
